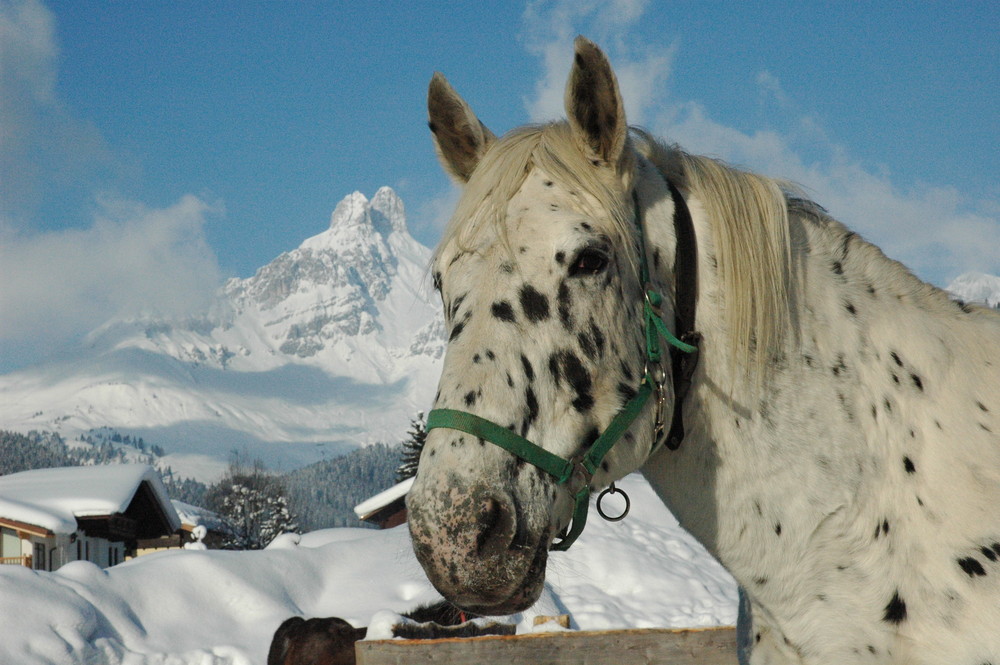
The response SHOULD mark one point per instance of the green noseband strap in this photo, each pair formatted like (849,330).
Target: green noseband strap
(576,475)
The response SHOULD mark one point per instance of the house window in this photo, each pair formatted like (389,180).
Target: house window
(79,549)
(10,544)
(39,558)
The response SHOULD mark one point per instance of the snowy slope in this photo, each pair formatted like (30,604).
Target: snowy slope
(976,287)
(220,608)
(334,344)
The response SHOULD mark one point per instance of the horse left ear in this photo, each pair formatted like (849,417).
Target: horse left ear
(459,137)
(594,105)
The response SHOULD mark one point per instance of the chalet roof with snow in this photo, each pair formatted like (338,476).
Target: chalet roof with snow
(63,500)
(392,500)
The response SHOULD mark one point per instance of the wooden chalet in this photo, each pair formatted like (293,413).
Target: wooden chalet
(49,517)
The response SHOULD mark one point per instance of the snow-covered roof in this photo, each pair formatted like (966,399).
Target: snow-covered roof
(195,515)
(383,498)
(54,498)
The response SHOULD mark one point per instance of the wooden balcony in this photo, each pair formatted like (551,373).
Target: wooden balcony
(16,561)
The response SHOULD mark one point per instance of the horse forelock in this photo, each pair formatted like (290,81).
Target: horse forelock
(482,209)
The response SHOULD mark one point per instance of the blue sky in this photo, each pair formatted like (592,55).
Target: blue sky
(152,149)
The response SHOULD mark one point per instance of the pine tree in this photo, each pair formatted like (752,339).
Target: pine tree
(254,504)
(412,447)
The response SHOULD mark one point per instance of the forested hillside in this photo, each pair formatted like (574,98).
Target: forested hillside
(324,494)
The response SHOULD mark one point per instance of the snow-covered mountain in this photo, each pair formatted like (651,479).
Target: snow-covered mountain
(334,344)
(976,287)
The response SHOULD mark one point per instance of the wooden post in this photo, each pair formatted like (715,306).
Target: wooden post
(710,646)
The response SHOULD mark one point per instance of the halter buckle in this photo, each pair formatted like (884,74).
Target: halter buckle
(580,477)
(652,296)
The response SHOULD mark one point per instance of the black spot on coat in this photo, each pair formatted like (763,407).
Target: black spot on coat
(597,336)
(895,611)
(453,310)
(972,567)
(626,391)
(532,403)
(586,345)
(565,302)
(577,376)
(529,371)
(503,311)
(534,304)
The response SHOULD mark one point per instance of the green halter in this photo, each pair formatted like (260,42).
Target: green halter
(577,473)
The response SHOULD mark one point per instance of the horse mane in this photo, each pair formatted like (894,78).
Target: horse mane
(749,216)
(749,219)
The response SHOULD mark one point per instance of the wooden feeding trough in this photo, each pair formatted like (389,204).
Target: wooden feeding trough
(708,646)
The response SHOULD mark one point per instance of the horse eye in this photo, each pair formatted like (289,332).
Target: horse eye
(589,261)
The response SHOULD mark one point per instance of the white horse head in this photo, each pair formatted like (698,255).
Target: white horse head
(539,276)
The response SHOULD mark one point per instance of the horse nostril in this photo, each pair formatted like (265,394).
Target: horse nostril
(496,527)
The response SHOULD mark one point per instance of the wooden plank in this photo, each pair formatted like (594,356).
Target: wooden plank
(710,646)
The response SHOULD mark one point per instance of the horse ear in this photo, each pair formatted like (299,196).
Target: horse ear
(594,105)
(459,137)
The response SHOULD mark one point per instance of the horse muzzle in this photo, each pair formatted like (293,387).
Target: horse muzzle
(477,547)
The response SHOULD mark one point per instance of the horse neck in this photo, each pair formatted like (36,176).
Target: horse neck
(809,441)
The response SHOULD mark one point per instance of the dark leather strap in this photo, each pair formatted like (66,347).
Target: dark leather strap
(685,303)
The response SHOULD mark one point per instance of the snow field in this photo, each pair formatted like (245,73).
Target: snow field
(191,607)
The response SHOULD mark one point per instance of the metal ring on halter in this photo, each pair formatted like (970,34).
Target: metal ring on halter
(613,490)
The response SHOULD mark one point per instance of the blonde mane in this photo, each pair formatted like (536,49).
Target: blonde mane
(748,215)
(750,231)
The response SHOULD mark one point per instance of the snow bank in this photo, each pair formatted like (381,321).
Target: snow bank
(221,608)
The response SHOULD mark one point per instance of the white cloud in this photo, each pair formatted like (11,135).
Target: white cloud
(46,151)
(770,86)
(433,215)
(642,69)
(938,231)
(27,52)
(57,286)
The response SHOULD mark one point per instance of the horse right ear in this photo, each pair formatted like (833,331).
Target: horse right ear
(459,137)
(594,105)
